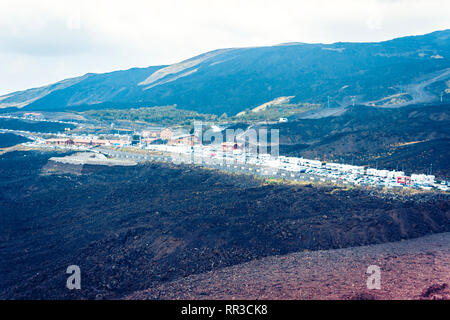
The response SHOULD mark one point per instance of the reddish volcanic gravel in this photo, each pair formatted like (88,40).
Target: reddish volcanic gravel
(412,269)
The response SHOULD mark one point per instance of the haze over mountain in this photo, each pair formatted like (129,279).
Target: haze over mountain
(413,69)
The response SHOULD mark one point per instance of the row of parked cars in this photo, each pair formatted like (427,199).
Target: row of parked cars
(333,172)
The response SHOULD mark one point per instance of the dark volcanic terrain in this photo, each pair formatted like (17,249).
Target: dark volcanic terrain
(11,139)
(133,228)
(414,139)
(34,126)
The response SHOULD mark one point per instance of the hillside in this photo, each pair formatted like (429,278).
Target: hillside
(414,138)
(406,70)
(325,274)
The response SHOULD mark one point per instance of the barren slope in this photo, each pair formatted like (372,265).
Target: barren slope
(412,269)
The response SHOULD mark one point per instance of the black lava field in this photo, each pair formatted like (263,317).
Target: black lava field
(34,126)
(130,228)
(11,139)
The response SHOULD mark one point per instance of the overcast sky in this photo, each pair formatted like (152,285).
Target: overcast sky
(45,41)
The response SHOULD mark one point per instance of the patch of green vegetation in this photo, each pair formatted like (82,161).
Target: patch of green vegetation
(171,115)
(277,181)
(274,112)
(165,115)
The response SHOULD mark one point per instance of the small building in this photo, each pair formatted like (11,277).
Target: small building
(86,142)
(154,133)
(423,178)
(166,134)
(371,172)
(404,180)
(33,116)
(148,140)
(118,143)
(395,174)
(59,141)
(186,139)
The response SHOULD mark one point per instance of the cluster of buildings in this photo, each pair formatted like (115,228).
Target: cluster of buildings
(154,135)
(176,141)
(169,136)
(87,142)
(33,116)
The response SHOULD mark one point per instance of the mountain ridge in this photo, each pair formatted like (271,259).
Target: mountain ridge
(232,80)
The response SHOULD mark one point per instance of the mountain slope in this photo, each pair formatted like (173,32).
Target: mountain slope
(415,139)
(406,70)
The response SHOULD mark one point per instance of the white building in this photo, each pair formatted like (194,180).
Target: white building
(395,174)
(371,172)
(422,178)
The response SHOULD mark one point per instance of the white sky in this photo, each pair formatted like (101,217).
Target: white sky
(43,41)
